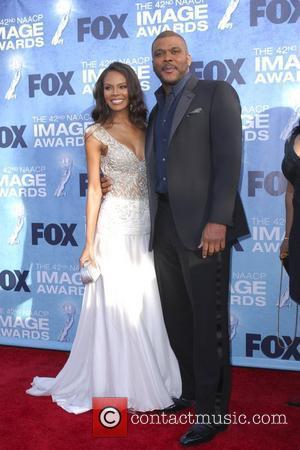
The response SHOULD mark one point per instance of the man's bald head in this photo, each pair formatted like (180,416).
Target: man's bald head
(169,33)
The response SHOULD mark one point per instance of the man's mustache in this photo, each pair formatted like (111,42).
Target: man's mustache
(168,66)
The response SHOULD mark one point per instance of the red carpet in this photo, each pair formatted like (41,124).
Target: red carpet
(36,423)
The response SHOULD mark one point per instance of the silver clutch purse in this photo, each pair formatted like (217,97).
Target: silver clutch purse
(89,273)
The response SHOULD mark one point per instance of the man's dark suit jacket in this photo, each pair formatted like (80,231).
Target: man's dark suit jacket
(203,165)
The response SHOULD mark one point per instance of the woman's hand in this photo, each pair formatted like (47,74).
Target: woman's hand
(284,249)
(297,145)
(87,256)
(106,184)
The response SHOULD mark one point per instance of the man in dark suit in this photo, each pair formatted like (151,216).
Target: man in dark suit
(193,156)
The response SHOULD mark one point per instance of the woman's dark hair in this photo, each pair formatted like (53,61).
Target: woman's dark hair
(137,109)
(294,133)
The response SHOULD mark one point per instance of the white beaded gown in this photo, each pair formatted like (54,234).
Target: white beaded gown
(121,348)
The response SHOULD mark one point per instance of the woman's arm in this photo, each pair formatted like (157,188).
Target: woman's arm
(94,195)
(291,159)
(289,215)
(297,145)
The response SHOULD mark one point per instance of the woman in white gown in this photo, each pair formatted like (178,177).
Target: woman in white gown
(121,348)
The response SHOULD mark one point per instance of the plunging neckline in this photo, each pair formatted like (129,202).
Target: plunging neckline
(123,145)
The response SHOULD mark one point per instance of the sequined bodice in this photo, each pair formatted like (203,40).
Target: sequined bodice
(127,172)
(125,208)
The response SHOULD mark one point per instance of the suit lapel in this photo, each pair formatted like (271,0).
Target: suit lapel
(183,104)
(149,147)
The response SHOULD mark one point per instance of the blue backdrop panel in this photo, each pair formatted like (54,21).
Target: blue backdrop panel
(51,54)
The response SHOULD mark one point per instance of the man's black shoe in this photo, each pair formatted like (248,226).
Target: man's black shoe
(198,434)
(221,427)
(294,403)
(179,404)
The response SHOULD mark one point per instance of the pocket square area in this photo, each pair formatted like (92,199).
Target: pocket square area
(195,111)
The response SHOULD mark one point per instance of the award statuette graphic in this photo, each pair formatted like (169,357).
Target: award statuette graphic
(225,23)
(234,322)
(64,8)
(285,299)
(14,237)
(16,67)
(290,125)
(70,312)
(67,167)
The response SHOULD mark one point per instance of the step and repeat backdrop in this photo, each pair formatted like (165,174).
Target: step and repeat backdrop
(51,54)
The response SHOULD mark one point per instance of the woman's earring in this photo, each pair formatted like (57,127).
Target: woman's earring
(131,107)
